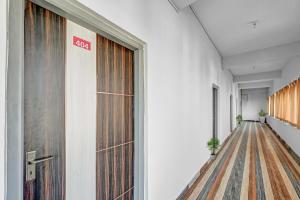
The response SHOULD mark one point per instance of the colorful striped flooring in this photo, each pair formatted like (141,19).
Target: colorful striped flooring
(253,164)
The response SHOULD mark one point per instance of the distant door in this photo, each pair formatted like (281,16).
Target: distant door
(231,113)
(44,104)
(215,112)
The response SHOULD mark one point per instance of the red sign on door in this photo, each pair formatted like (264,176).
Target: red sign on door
(81,43)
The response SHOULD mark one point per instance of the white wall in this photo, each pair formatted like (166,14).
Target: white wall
(289,133)
(182,65)
(3,38)
(257,100)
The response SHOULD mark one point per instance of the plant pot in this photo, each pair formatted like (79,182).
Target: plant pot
(262,119)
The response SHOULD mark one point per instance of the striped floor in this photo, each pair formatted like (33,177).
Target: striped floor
(252,165)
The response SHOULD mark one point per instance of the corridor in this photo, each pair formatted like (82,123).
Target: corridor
(253,164)
(149,100)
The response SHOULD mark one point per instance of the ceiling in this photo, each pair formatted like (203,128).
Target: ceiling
(227,23)
(250,69)
(245,48)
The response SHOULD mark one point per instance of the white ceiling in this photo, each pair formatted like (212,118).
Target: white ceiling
(247,50)
(251,69)
(263,60)
(226,22)
(180,4)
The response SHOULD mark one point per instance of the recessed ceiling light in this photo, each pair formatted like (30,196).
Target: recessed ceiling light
(253,23)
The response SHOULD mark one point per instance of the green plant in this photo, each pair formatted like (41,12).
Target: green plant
(213,144)
(239,119)
(262,113)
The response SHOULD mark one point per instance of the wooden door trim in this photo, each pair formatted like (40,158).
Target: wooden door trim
(88,18)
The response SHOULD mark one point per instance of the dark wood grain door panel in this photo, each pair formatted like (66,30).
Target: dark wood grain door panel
(115,172)
(44,101)
(115,121)
(115,67)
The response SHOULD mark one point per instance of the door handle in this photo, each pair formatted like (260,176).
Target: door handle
(39,160)
(31,162)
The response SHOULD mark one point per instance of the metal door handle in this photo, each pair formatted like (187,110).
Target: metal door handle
(39,160)
(31,162)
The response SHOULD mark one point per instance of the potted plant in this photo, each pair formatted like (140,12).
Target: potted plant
(213,145)
(239,119)
(262,116)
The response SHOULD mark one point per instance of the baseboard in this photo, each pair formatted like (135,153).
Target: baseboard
(197,178)
(283,142)
(190,187)
(250,120)
(182,195)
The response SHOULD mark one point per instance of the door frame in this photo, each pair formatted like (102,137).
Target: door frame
(231,112)
(214,86)
(88,18)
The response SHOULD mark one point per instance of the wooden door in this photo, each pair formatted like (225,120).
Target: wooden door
(231,113)
(44,104)
(115,121)
(215,112)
